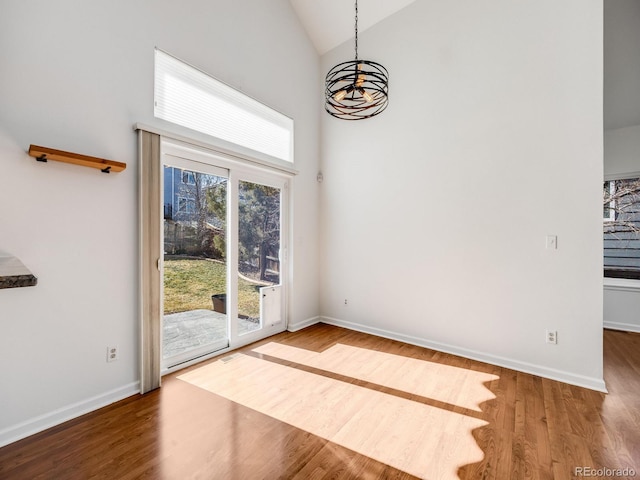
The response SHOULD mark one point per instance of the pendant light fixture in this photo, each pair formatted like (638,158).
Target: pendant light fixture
(356,89)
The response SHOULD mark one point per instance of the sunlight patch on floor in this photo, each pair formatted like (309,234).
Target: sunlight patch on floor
(453,385)
(422,440)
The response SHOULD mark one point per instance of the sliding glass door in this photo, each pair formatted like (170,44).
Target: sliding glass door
(224,255)
(195,273)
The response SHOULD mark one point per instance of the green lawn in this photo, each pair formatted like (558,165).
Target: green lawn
(189,284)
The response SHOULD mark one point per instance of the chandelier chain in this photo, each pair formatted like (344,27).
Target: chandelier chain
(356,28)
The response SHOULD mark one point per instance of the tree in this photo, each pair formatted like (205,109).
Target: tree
(621,200)
(258,224)
(217,204)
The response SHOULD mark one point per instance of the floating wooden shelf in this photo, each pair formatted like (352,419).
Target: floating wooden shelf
(43,154)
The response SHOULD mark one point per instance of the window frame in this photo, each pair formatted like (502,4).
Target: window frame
(187,203)
(191,178)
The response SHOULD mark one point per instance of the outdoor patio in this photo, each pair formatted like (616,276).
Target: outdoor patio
(189,330)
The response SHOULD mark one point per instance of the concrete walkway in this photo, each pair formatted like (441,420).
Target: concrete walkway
(186,331)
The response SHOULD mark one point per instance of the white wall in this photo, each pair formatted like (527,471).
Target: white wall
(622,151)
(76,76)
(435,213)
(622,304)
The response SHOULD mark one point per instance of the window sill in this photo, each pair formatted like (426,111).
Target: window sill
(623,284)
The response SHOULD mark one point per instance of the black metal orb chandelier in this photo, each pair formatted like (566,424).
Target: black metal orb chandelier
(356,89)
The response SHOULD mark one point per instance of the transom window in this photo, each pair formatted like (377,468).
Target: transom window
(191,98)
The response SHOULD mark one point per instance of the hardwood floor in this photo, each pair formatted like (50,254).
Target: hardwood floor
(476,421)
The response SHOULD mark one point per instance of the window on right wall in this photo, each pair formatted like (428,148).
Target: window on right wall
(621,202)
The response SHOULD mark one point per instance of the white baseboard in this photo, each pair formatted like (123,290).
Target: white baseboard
(625,327)
(294,327)
(61,415)
(546,372)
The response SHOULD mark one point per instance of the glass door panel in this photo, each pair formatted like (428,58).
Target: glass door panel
(194,264)
(259,238)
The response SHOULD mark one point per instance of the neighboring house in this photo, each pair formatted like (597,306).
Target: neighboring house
(179,194)
(189,225)
(185,194)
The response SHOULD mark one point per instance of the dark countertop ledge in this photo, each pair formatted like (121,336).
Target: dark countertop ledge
(14,274)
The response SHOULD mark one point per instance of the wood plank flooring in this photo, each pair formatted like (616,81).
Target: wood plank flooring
(335,404)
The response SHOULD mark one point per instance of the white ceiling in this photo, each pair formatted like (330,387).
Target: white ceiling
(331,22)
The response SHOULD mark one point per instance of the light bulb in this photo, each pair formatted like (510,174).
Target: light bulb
(339,95)
(360,79)
(366,95)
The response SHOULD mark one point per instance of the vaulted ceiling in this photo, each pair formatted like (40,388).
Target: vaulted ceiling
(331,22)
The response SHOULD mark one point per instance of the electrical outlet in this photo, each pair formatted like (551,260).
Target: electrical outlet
(345,301)
(552,337)
(112,354)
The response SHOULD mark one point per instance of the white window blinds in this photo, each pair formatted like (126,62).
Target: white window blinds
(186,96)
